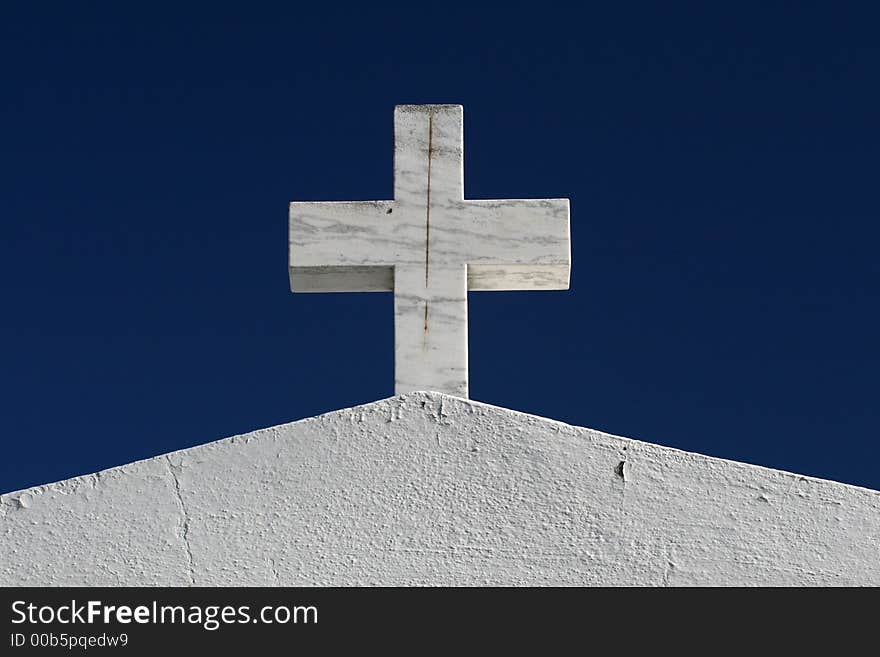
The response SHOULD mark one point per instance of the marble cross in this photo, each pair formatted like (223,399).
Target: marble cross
(429,246)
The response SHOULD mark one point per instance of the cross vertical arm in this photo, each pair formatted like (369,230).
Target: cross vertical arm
(428,155)
(430,296)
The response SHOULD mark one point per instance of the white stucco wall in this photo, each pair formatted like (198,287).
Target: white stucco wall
(430,489)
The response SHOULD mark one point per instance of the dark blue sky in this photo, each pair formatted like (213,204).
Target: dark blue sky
(722,166)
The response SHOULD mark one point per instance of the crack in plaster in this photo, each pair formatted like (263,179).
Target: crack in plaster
(184,534)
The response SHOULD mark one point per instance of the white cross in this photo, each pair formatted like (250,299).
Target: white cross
(429,246)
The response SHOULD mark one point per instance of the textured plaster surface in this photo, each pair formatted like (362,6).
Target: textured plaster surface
(428,489)
(430,246)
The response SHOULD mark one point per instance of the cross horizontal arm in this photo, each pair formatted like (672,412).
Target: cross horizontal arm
(520,244)
(340,247)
